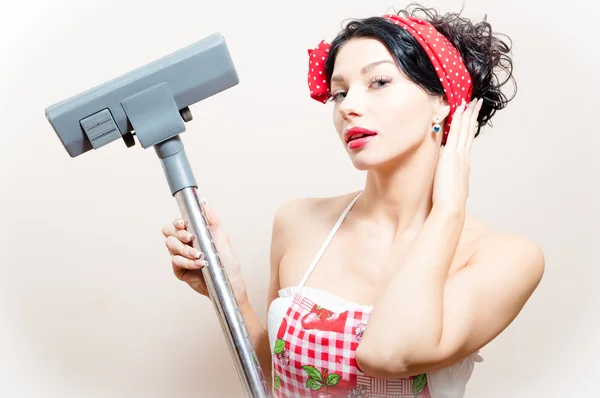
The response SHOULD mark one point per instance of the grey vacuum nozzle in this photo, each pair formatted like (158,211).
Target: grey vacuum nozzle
(151,102)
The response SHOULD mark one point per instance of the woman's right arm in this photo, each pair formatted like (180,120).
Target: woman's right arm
(188,262)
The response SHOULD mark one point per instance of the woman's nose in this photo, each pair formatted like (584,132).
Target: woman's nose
(351,104)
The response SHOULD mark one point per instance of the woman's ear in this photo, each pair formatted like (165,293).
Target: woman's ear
(442,109)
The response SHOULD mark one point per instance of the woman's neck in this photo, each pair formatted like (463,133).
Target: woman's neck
(399,195)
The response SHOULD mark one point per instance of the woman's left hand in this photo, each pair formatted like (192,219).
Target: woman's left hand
(451,184)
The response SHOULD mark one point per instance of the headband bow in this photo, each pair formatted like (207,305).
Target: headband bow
(445,58)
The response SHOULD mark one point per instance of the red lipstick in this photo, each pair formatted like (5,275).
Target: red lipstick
(357,137)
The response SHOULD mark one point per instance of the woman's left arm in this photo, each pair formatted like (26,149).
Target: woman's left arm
(425,320)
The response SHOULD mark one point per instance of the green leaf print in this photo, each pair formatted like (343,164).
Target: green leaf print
(277,382)
(317,380)
(419,384)
(333,379)
(313,384)
(313,373)
(279,346)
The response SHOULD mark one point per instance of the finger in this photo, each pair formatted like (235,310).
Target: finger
(452,139)
(465,125)
(180,223)
(185,237)
(177,224)
(180,262)
(474,123)
(169,230)
(177,247)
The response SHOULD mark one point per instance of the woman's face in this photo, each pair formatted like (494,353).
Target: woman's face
(370,92)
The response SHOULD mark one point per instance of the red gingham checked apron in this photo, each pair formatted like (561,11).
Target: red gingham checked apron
(314,354)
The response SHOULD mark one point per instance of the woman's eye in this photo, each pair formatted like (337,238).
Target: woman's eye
(336,96)
(379,81)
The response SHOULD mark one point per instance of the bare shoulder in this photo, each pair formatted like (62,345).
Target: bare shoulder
(310,208)
(507,252)
(299,217)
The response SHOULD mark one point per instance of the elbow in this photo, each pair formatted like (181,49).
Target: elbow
(381,365)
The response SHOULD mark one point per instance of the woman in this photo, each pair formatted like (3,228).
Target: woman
(406,287)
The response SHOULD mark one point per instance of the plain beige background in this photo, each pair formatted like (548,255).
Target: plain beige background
(89,306)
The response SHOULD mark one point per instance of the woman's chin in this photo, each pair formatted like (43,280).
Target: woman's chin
(363,164)
(372,162)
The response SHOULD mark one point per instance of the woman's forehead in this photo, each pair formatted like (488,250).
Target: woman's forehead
(360,55)
(363,48)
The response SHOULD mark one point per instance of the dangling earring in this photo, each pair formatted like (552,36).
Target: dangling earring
(436,126)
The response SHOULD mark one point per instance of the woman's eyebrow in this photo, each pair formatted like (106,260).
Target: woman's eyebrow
(365,69)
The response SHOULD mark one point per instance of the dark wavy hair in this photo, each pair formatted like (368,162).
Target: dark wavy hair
(483,52)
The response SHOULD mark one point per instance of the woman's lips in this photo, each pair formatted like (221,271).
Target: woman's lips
(360,142)
(357,132)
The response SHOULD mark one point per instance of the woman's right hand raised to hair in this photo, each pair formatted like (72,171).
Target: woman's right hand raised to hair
(188,262)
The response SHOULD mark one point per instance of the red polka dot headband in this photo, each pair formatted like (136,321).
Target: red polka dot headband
(446,60)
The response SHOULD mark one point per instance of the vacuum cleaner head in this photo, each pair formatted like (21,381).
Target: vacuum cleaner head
(151,102)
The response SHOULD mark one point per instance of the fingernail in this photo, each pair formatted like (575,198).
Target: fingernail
(201,263)
(190,237)
(203,201)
